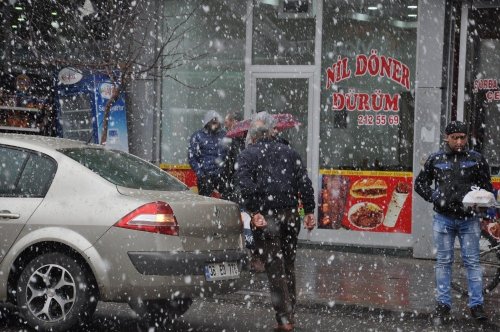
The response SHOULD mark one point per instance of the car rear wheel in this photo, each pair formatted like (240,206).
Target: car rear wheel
(160,312)
(55,292)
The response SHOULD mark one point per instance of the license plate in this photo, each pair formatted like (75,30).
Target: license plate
(221,271)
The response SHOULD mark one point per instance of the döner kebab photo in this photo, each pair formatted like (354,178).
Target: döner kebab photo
(369,188)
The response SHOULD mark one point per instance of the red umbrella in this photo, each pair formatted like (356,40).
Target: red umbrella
(283,121)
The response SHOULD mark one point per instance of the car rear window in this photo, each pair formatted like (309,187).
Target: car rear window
(124,169)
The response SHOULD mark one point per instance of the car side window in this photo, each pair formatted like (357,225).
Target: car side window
(12,162)
(36,177)
(25,173)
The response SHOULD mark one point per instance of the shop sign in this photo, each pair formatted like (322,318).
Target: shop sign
(366,201)
(68,76)
(490,85)
(378,107)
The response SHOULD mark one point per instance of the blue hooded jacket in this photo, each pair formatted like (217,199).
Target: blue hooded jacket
(206,153)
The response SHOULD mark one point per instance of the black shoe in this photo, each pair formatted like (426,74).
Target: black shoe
(477,312)
(441,314)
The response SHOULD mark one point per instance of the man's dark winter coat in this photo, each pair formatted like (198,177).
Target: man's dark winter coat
(271,176)
(453,173)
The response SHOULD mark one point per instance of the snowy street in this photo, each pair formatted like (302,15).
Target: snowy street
(338,291)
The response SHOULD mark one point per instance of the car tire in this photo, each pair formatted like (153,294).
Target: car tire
(55,293)
(160,312)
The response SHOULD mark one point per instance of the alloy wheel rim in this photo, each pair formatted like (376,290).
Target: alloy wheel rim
(50,293)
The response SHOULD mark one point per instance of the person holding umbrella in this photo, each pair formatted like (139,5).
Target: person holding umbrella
(277,122)
(232,118)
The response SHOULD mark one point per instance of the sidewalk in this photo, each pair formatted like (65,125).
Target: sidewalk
(329,278)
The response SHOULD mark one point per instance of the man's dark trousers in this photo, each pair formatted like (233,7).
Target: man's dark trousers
(276,246)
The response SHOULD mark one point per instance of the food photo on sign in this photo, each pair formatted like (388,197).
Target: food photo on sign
(367,212)
(365,203)
(334,192)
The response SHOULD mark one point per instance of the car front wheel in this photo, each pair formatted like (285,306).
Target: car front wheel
(55,293)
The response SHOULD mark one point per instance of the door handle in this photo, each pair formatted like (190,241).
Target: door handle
(7,215)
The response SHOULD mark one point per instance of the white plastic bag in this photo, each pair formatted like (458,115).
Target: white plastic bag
(247,232)
(479,198)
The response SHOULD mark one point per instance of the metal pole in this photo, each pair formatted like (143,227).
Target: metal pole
(464,18)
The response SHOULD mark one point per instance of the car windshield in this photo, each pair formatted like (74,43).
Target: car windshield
(124,169)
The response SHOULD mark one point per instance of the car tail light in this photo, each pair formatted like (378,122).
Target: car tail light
(155,217)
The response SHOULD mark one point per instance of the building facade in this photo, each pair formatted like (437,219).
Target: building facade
(373,84)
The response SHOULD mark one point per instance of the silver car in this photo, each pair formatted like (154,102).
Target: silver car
(81,224)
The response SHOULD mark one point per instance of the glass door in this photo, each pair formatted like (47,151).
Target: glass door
(282,93)
(481,79)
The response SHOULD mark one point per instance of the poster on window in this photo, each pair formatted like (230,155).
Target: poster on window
(365,201)
(372,108)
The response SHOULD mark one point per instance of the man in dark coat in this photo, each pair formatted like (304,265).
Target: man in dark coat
(453,171)
(206,154)
(271,178)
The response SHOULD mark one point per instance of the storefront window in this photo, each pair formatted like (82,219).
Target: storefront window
(367,112)
(283,32)
(367,97)
(212,79)
(482,84)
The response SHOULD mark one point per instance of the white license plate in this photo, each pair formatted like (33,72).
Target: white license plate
(221,271)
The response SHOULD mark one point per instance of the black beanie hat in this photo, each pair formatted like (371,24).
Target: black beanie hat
(455,127)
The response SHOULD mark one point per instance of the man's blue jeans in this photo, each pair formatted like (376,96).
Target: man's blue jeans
(468,231)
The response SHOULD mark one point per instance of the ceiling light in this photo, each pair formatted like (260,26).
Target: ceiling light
(18,8)
(21,19)
(362,17)
(372,8)
(54,13)
(270,2)
(412,7)
(14,26)
(412,15)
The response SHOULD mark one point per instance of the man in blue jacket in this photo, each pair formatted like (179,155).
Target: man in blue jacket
(272,178)
(206,154)
(453,171)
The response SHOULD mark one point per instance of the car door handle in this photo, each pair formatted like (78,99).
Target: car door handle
(7,215)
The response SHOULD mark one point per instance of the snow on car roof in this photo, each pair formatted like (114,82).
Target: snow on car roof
(41,142)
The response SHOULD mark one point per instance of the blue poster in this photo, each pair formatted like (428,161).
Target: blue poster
(82,98)
(117,124)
